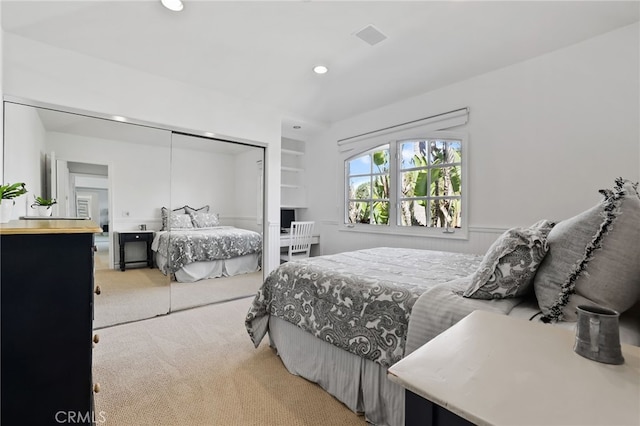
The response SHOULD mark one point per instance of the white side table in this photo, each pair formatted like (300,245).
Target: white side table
(492,369)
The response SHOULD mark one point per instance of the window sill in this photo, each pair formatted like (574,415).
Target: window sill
(459,234)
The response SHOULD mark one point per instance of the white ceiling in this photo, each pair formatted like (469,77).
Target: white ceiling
(264,51)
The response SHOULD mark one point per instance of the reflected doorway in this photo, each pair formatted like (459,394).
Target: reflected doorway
(89,198)
(82,190)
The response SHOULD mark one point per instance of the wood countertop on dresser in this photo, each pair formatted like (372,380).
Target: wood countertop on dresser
(49,226)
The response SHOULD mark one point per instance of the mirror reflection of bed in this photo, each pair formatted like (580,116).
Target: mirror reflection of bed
(216,218)
(139,164)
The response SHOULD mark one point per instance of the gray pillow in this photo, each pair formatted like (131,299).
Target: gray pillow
(190,210)
(204,220)
(164,213)
(508,267)
(594,257)
(179,221)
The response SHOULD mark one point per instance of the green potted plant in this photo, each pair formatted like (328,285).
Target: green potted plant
(43,205)
(8,192)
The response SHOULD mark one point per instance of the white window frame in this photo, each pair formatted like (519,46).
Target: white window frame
(393,228)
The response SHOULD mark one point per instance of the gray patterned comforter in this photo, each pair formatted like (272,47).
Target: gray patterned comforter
(221,242)
(359,301)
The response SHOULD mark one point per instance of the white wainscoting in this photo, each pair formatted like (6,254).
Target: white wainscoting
(133,223)
(333,240)
(272,255)
(249,222)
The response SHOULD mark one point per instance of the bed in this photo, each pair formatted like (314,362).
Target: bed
(196,254)
(341,320)
(192,245)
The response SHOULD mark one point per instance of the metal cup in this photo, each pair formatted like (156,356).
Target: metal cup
(598,334)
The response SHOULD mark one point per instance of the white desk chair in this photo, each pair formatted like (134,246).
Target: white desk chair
(300,236)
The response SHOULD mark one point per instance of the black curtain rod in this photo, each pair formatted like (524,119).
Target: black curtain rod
(399,125)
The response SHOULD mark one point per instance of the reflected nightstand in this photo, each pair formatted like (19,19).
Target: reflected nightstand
(125,237)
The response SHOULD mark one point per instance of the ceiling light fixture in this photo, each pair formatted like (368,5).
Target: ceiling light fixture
(174,5)
(320,69)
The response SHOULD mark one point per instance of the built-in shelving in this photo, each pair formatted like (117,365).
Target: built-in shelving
(292,188)
(291,169)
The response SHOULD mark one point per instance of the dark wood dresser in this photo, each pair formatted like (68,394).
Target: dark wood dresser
(46,284)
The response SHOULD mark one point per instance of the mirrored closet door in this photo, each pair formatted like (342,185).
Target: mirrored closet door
(118,175)
(181,215)
(214,237)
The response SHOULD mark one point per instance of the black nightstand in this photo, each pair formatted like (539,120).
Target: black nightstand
(125,237)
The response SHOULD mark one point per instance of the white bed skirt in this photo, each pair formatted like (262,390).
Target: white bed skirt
(362,385)
(214,268)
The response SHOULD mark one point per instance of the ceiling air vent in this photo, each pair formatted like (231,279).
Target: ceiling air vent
(371,35)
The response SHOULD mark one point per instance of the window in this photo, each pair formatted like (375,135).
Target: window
(430,179)
(368,187)
(420,192)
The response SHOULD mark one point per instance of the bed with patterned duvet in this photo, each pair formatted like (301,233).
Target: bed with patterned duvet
(212,252)
(341,320)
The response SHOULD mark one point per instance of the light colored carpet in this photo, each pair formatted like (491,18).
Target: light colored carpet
(130,295)
(204,292)
(101,256)
(199,367)
(141,293)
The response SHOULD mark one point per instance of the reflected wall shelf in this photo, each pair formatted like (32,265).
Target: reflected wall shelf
(293,192)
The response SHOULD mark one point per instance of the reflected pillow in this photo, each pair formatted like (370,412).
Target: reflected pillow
(203,209)
(510,264)
(204,220)
(179,222)
(164,213)
(594,257)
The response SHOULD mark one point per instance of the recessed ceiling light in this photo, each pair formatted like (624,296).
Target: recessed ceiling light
(174,5)
(320,69)
(119,118)
(209,134)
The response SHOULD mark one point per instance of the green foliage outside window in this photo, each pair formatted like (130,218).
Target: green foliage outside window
(369,201)
(430,188)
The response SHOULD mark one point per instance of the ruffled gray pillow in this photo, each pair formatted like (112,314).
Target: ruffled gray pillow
(190,210)
(164,213)
(594,257)
(510,264)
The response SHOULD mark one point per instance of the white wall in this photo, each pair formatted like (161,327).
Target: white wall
(138,174)
(26,143)
(544,136)
(1,103)
(227,183)
(246,198)
(43,73)
(200,178)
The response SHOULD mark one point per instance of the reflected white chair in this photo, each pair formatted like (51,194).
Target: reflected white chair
(300,236)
